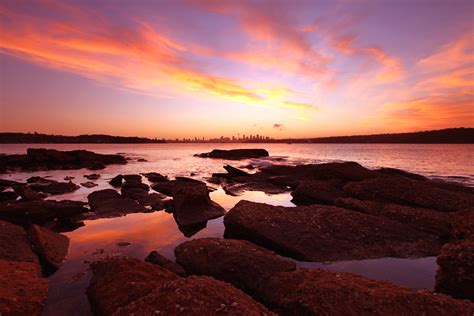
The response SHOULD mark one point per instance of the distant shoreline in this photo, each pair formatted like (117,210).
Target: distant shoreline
(444,136)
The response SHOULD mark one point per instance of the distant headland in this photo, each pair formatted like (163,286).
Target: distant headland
(459,135)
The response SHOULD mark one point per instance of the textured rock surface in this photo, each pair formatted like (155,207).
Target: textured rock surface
(109,203)
(455,275)
(409,192)
(238,262)
(50,247)
(317,192)
(22,291)
(320,292)
(326,233)
(125,286)
(14,244)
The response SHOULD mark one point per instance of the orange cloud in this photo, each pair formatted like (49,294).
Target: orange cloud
(299,105)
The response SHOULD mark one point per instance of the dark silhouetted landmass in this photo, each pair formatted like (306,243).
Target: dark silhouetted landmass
(35,138)
(459,135)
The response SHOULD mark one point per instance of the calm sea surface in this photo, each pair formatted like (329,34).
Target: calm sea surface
(158,230)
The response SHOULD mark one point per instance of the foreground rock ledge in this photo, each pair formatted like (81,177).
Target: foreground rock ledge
(235,154)
(326,233)
(320,292)
(124,286)
(238,262)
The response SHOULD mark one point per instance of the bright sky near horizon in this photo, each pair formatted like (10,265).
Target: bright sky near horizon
(191,68)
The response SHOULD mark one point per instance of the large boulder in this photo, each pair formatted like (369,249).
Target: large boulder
(22,292)
(169,187)
(192,205)
(320,292)
(326,233)
(51,159)
(455,275)
(155,177)
(117,282)
(109,203)
(410,192)
(235,154)
(427,220)
(42,211)
(50,247)
(238,262)
(124,286)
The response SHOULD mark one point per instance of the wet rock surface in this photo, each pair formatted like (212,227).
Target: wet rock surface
(109,203)
(317,192)
(42,212)
(235,154)
(326,233)
(51,159)
(122,286)
(14,244)
(22,292)
(49,186)
(156,258)
(238,262)
(155,177)
(320,292)
(192,205)
(50,247)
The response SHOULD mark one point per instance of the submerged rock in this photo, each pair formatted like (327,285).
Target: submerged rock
(238,262)
(93,176)
(50,247)
(326,233)
(320,292)
(156,258)
(122,286)
(51,159)
(235,154)
(22,292)
(455,275)
(89,184)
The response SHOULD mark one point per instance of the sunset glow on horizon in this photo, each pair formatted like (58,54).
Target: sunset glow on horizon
(192,68)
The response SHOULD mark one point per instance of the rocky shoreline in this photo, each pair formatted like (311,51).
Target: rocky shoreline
(344,212)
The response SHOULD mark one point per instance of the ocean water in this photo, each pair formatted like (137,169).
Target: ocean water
(158,230)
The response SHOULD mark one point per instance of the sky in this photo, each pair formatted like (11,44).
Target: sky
(192,68)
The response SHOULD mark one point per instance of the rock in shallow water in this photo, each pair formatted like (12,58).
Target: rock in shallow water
(238,262)
(50,247)
(156,258)
(109,203)
(235,154)
(326,233)
(121,286)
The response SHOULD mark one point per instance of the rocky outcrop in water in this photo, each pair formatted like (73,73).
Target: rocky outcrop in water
(238,262)
(156,258)
(326,233)
(121,286)
(51,159)
(235,154)
(109,203)
(49,186)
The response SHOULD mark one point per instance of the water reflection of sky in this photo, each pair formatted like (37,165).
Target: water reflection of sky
(158,230)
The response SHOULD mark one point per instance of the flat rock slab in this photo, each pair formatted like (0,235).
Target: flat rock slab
(455,275)
(237,262)
(51,247)
(124,286)
(235,154)
(51,159)
(41,212)
(14,244)
(326,233)
(317,192)
(109,203)
(427,220)
(410,192)
(320,292)
(22,292)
